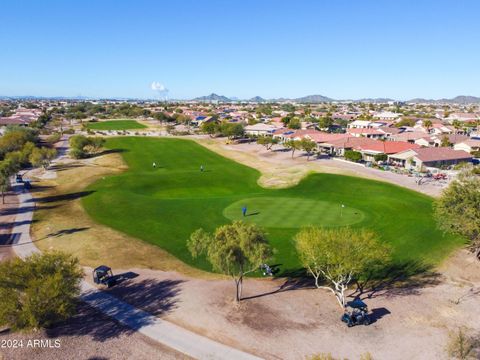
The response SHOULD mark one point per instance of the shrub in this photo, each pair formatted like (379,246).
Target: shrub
(380,157)
(77,153)
(476,154)
(40,291)
(52,139)
(352,155)
(461,345)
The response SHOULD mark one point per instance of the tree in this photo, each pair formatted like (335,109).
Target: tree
(294,123)
(81,146)
(445,142)
(210,128)
(457,125)
(325,122)
(7,169)
(42,156)
(267,141)
(308,146)
(40,291)
(457,210)
(234,250)
(231,130)
(338,256)
(293,145)
(353,155)
(95,144)
(427,124)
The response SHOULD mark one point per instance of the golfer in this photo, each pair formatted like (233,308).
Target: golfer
(201,168)
(244,211)
(154,165)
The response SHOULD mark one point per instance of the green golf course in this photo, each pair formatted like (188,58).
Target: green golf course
(115,125)
(163,205)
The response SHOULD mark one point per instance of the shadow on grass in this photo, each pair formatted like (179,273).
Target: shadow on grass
(109,151)
(63,197)
(67,232)
(62,167)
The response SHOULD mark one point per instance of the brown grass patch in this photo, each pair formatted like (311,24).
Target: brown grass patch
(61,223)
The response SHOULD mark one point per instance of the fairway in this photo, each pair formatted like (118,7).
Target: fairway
(115,125)
(283,212)
(165,204)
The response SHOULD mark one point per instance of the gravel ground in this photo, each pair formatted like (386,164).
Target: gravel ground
(88,335)
(288,319)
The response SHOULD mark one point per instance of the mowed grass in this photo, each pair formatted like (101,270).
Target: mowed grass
(115,125)
(290,212)
(164,205)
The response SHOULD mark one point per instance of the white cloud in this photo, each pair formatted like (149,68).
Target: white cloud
(156,86)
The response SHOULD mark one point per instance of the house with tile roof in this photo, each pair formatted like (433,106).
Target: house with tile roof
(469,145)
(433,157)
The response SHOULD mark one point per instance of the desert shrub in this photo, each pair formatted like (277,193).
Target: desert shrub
(40,291)
(352,155)
(380,157)
(462,346)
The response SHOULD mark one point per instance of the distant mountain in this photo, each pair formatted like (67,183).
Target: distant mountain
(212,97)
(313,99)
(462,100)
(375,100)
(257,99)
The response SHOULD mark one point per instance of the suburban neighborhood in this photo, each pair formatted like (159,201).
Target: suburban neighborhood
(239,180)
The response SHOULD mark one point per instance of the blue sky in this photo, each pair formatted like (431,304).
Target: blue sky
(341,49)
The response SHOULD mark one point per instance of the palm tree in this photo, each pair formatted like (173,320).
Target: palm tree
(427,124)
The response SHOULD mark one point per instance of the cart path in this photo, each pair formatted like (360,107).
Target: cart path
(162,331)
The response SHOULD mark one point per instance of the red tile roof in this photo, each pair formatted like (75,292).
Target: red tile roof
(441,154)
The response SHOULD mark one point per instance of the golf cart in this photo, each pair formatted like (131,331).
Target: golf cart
(103,275)
(356,313)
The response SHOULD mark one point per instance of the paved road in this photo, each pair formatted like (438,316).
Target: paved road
(167,333)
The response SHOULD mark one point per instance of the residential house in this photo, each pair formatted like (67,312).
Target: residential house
(423,158)
(360,124)
(409,136)
(369,133)
(469,145)
(260,129)
(386,115)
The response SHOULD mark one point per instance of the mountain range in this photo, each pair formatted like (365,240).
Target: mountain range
(315,99)
(309,99)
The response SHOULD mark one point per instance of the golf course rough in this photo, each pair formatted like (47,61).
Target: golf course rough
(163,205)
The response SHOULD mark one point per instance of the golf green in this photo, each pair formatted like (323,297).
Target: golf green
(289,212)
(164,204)
(115,125)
